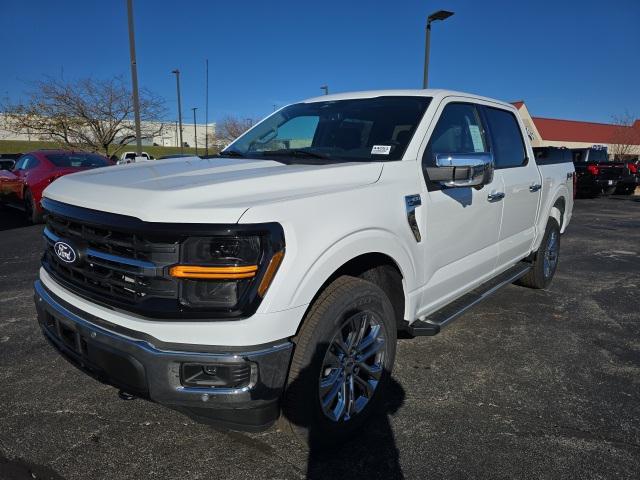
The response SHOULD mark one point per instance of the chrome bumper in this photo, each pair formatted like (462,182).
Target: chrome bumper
(138,365)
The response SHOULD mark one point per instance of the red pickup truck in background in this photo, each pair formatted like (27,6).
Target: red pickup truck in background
(22,186)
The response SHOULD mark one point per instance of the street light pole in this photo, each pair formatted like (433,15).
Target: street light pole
(439,15)
(206,112)
(195,129)
(134,78)
(177,72)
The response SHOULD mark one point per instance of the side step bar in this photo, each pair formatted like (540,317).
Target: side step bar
(447,314)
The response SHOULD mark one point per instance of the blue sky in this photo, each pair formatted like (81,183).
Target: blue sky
(567,59)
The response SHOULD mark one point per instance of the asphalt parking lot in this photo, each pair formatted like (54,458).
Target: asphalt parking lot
(530,384)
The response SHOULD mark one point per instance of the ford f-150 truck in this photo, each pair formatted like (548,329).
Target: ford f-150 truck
(271,283)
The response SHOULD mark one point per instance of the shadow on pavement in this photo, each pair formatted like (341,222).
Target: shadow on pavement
(11,218)
(23,470)
(370,451)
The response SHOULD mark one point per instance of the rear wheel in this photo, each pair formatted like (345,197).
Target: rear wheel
(625,189)
(30,208)
(342,363)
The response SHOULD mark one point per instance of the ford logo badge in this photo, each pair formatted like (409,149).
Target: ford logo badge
(65,252)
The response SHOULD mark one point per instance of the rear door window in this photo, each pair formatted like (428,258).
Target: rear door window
(508,146)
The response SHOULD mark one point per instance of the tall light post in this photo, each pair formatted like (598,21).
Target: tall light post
(439,15)
(206,111)
(134,78)
(195,129)
(177,72)
(325,88)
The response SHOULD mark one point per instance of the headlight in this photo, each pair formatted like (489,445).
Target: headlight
(225,251)
(227,272)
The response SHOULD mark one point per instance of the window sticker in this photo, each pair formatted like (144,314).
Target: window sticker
(476,138)
(381,150)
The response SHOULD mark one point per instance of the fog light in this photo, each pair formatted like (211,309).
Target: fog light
(221,375)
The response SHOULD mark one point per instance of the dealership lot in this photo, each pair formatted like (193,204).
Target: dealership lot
(530,384)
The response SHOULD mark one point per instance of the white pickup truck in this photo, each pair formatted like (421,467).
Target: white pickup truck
(271,282)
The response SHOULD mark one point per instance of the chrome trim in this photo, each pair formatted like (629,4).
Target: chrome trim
(133,262)
(411,202)
(268,371)
(42,292)
(495,196)
(479,168)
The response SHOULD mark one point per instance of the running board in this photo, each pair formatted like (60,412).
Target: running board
(447,314)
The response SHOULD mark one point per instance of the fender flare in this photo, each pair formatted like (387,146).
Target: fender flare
(346,249)
(551,210)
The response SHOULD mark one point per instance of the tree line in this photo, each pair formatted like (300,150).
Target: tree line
(97,115)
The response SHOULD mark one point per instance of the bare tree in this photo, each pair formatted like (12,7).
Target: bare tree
(231,128)
(88,113)
(626,137)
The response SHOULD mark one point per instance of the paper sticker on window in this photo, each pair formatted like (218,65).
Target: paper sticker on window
(476,138)
(381,150)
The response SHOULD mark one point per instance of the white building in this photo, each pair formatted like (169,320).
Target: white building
(167,133)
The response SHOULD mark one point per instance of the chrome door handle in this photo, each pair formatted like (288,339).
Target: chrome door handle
(535,187)
(495,196)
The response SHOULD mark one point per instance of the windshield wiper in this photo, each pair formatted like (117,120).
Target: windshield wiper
(231,153)
(294,152)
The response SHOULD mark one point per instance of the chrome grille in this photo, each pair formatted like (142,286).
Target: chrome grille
(118,267)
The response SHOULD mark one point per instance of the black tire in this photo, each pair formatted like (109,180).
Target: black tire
(539,276)
(303,416)
(30,209)
(625,190)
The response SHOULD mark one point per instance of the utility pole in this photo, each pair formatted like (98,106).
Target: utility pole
(177,72)
(195,129)
(134,78)
(439,15)
(206,112)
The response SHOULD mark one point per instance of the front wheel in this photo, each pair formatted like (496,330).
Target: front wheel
(31,209)
(546,258)
(341,365)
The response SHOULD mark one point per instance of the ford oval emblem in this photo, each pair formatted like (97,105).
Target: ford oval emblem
(65,252)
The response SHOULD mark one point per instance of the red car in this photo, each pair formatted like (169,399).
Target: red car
(22,186)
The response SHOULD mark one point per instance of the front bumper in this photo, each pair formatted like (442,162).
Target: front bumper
(132,362)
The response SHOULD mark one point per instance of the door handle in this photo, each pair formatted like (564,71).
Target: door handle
(535,187)
(495,196)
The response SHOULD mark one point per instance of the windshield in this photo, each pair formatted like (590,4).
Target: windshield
(77,160)
(369,129)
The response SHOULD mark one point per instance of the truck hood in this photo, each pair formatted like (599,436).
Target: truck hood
(195,190)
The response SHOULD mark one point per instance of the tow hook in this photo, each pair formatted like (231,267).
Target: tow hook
(125,395)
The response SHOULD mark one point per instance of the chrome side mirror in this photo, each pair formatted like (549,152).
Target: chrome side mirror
(462,169)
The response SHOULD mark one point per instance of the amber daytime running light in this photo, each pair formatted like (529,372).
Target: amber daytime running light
(213,273)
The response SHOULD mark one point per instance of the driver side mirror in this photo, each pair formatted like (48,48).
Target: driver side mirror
(462,169)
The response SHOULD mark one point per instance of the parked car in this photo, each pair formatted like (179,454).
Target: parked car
(630,177)
(272,282)
(6,163)
(132,157)
(22,185)
(595,174)
(8,160)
